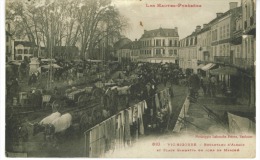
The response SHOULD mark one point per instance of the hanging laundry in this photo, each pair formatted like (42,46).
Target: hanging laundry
(141,126)
(127,128)
(157,102)
(145,104)
(135,113)
(122,118)
(170,106)
(130,113)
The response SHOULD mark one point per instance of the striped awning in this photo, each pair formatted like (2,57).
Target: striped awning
(208,66)
(225,71)
(200,66)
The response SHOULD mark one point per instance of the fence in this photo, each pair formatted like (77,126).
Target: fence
(124,128)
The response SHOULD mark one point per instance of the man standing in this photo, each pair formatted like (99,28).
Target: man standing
(213,82)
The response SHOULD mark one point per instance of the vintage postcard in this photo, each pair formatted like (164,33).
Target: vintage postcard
(130,78)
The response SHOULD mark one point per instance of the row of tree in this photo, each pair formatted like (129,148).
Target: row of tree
(88,24)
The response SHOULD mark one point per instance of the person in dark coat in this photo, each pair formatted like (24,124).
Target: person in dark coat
(14,89)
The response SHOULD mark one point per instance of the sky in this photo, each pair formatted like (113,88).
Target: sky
(186,19)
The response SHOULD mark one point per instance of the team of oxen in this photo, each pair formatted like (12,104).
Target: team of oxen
(55,123)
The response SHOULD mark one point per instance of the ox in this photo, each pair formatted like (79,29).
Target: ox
(125,90)
(62,123)
(40,127)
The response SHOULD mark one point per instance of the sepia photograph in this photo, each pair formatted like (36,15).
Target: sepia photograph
(130,78)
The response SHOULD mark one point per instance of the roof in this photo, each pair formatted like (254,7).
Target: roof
(132,45)
(204,29)
(161,32)
(24,43)
(225,14)
(136,44)
(127,46)
(121,42)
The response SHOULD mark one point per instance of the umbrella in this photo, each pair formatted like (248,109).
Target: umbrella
(175,70)
(53,65)
(15,62)
(224,70)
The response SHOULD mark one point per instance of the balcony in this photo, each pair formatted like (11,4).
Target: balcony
(223,59)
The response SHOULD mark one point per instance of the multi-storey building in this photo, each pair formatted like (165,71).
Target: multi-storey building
(122,48)
(222,29)
(188,52)
(135,50)
(124,53)
(159,45)
(246,57)
(228,42)
(129,52)
(24,49)
(204,45)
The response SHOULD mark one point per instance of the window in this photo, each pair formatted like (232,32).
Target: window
(175,43)
(224,32)
(7,50)
(170,52)
(224,49)
(214,35)
(158,51)
(220,50)
(170,42)
(175,52)
(163,51)
(238,51)
(228,31)
(25,51)
(20,51)
(228,49)
(158,42)
(163,42)
(220,33)
(7,38)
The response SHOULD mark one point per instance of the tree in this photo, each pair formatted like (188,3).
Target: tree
(65,23)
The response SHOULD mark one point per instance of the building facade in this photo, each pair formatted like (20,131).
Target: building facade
(24,49)
(204,45)
(159,45)
(228,44)
(188,58)
(246,59)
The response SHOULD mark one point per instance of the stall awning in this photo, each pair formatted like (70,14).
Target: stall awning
(208,66)
(224,70)
(200,66)
(53,65)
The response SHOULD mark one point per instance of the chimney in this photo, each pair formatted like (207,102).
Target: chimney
(135,39)
(232,5)
(145,31)
(198,28)
(205,25)
(219,14)
(176,29)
